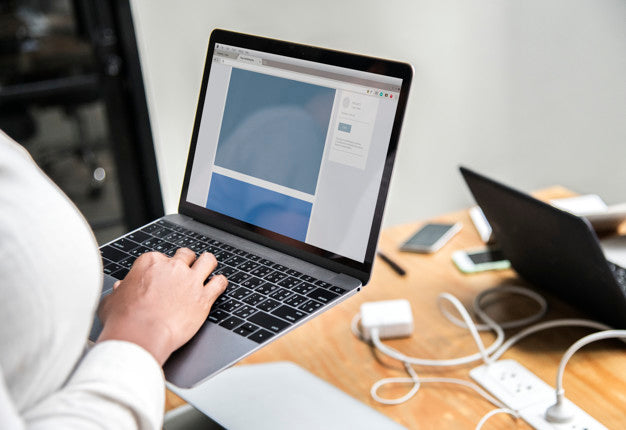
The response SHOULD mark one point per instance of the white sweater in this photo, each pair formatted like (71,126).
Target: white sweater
(50,282)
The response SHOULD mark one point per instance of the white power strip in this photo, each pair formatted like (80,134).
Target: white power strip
(521,390)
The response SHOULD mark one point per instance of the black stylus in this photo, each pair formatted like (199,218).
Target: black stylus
(399,270)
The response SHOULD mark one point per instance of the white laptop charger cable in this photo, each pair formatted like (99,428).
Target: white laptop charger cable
(387,320)
(559,412)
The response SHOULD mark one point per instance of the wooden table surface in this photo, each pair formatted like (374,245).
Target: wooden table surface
(595,377)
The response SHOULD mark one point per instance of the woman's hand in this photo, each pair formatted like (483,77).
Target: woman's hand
(162,302)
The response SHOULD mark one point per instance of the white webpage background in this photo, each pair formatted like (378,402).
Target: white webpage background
(342,216)
(345,199)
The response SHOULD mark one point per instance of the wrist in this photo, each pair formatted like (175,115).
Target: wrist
(152,336)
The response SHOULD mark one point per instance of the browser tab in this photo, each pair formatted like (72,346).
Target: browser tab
(249,59)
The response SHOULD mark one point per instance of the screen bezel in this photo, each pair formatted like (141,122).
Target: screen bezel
(312,254)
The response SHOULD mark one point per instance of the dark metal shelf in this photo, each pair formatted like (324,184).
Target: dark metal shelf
(40,91)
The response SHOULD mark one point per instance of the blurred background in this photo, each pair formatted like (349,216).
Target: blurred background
(532,93)
(71,93)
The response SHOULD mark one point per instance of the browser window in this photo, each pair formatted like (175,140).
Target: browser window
(294,147)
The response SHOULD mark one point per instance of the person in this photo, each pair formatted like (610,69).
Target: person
(50,284)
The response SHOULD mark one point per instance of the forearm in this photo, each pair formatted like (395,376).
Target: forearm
(117,385)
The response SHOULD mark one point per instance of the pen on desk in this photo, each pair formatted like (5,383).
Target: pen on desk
(399,270)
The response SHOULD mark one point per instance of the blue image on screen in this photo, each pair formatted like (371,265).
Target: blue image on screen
(274,129)
(259,206)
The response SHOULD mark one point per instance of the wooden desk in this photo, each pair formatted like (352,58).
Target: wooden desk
(595,378)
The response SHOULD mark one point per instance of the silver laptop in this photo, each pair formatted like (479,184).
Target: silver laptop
(286,181)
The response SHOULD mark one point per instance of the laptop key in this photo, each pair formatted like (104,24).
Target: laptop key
(296,300)
(253,257)
(246,329)
(120,274)
(266,288)
(138,236)
(140,250)
(268,322)
(231,323)
(310,306)
(225,270)
(254,299)
(173,237)
(323,284)
(288,313)
(261,271)
(275,277)
(164,223)
(279,267)
(281,294)
(293,273)
(260,336)
(218,315)
(244,312)
(125,244)
(322,295)
(152,242)
(230,305)
(238,277)
(268,305)
(150,228)
(127,262)
(252,282)
(289,282)
(240,293)
(111,268)
(222,255)
(337,290)
(303,288)
(247,266)
(112,254)
(161,232)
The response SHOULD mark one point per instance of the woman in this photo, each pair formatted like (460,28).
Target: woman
(50,282)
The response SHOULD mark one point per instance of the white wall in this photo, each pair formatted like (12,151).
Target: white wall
(532,92)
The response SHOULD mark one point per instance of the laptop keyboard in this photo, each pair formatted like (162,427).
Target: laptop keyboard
(262,299)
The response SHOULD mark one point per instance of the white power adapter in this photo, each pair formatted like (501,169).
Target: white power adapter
(392,318)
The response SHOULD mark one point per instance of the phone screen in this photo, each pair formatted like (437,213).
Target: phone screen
(429,234)
(486,256)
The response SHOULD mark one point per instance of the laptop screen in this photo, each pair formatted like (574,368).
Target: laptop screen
(293,146)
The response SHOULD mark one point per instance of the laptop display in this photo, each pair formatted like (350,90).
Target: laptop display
(293,149)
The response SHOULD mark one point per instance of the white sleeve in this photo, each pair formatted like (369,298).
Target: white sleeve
(117,385)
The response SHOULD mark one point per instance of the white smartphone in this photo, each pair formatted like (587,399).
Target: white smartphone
(430,237)
(480,260)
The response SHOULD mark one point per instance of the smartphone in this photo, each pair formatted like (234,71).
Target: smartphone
(480,260)
(430,237)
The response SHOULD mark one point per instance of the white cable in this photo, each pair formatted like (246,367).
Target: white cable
(494,412)
(483,352)
(417,381)
(503,289)
(546,325)
(607,334)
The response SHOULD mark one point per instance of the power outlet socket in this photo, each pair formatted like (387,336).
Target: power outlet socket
(521,390)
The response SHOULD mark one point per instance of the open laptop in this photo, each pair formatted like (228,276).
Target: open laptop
(552,249)
(286,181)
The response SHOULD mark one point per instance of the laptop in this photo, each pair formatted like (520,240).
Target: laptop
(285,183)
(552,249)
